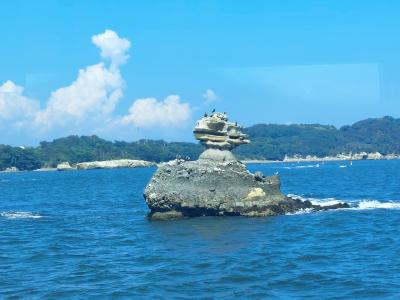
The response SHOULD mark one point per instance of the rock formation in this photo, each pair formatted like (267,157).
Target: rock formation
(111,164)
(65,166)
(217,184)
(216,132)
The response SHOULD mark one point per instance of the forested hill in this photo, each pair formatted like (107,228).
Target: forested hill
(76,149)
(268,141)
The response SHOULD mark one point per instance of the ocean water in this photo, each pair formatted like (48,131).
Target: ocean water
(84,235)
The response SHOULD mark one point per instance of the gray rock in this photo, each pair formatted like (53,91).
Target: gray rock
(217,184)
(216,132)
(213,188)
(217,155)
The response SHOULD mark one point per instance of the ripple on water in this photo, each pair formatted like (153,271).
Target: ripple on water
(20,215)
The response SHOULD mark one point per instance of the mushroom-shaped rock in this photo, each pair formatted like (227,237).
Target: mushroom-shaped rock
(217,184)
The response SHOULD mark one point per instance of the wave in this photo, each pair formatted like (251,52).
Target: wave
(354,204)
(371,204)
(300,211)
(20,215)
(316,201)
(19,180)
(303,166)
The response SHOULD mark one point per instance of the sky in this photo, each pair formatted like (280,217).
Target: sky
(126,70)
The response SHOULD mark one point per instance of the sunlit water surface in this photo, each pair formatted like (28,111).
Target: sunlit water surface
(84,234)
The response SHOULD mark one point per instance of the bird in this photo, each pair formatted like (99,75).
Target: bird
(213,111)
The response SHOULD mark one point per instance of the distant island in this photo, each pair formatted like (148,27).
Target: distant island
(268,142)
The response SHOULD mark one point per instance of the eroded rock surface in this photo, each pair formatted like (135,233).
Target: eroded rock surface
(210,188)
(217,184)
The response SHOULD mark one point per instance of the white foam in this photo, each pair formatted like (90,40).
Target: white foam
(373,204)
(326,202)
(342,166)
(20,215)
(355,204)
(315,201)
(300,212)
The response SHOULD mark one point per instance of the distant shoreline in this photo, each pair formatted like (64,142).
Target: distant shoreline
(126,163)
(339,157)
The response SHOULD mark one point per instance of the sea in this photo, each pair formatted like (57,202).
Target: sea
(85,235)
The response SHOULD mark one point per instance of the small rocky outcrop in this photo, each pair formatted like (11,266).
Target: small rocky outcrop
(217,184)
(111,164)
(65,166)
(11,169)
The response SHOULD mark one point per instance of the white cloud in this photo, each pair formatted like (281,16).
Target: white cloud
(94,93)
(209,96)
(112,47)
(87,105)
(14,105)
(149,112)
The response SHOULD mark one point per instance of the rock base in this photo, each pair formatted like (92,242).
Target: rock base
(208,187)
(217,155)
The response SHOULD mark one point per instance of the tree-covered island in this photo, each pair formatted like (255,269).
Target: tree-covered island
(268,142)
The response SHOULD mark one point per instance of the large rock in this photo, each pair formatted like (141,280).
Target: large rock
(217,184)
(213,188)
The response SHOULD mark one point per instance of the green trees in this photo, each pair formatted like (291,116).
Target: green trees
(371,135)
(22,158)
(268,141)
(76,149)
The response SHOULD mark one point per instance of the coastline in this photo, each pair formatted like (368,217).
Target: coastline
(128,163)
(339,157)
(105,164)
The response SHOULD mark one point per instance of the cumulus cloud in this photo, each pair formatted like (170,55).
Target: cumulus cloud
(94,93)
(112,47)
(149,112)
(87,105)
(96,90)
(14,105)
(209,96)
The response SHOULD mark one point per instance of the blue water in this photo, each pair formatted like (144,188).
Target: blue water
(84,235)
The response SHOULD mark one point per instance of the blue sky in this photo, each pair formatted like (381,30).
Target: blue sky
(330,62)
